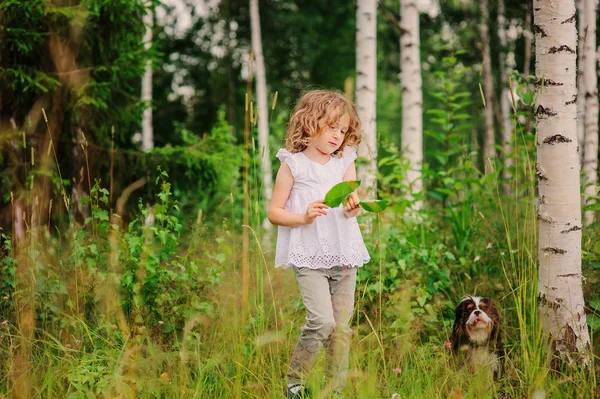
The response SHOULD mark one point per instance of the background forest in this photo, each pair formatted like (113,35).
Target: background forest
(134,256)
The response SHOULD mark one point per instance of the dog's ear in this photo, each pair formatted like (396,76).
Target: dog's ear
(492,312)
(496,338)
(496,333)
(458,328)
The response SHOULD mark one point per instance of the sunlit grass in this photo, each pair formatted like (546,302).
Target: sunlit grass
(80,349)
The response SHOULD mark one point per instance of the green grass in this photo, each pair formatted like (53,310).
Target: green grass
(217,357)
(193,343)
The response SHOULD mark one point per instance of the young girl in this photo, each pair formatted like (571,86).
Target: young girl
(324,246)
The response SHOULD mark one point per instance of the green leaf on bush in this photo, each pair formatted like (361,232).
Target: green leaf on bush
(593,321)
(528,98)
(340,192)
(374,206)
(591,207)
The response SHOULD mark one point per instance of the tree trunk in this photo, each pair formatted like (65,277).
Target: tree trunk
(527,35)
(505,97)
(147,130)
(580,84)
(590,79)
(412,95)
(263,113)
(366,90)
(80,188)
(489,148)
(21,363)
(560,298)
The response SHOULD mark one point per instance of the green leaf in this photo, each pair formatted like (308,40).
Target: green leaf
(340,192)
(597,247)
(593,321)
(374,206)
(528,98)
(591,207)
(595,304)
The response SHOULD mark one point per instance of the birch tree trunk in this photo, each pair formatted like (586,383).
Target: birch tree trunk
(366,90)
(412,95)
(489,148)
(147,132)
(263,117)
(590,79)
(527,37)
(560,298)
(505,106)
(580,84)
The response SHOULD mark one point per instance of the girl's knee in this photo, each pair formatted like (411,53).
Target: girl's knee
(322,327)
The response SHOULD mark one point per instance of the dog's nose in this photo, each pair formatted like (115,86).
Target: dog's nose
(477,312)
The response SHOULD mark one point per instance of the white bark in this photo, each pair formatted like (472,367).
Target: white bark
(527,37)
(412,95)
(505,106)
(561,303)
(19,229)
(580,85)
(489,148)
(366,89)
(147,132)
(263,117)
(590,78)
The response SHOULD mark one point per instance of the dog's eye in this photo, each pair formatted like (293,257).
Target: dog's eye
(482,306)
(470,306)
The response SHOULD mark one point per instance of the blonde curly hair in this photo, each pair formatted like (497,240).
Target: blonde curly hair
(315,110)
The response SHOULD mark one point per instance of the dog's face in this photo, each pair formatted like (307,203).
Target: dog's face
(476,334)
(476,319)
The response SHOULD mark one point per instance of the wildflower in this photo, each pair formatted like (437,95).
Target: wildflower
(161,322)
(397,370)
(5,298)
(5,323)
(435,348)
(476,258)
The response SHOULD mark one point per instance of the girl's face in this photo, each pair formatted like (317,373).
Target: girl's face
(332,135)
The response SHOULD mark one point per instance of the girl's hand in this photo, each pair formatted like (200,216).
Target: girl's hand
(351,206)
(314,210)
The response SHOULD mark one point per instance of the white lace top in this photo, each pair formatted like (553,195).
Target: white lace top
(332,239)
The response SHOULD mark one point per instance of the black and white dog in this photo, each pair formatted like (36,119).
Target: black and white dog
(476,339)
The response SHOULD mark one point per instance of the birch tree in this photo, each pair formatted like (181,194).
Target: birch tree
(489,148)
(261,94)
(560,294)
(412,94)
(366,89)
(580,85)
(147,132)
(505,106)
(590,83)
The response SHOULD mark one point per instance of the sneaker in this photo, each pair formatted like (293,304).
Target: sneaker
(297,391)
(337,394)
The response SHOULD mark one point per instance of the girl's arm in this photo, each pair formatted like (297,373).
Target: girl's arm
(351,207)
(281,192)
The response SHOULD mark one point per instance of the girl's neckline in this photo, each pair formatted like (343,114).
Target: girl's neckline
(320,164)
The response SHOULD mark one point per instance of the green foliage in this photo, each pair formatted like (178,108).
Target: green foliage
(338,193)
(341,191)
(7,276)
(374,206)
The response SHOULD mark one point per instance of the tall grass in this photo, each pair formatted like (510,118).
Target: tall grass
(209,345)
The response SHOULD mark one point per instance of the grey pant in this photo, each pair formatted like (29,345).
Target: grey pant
(328,296)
